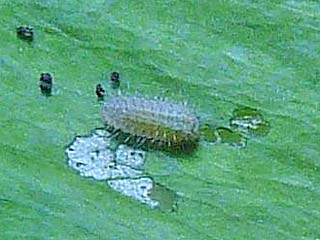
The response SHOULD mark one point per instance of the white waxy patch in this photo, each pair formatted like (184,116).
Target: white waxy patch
(122,168)
(252,123)
(91,157)
(129,157)
(139,189)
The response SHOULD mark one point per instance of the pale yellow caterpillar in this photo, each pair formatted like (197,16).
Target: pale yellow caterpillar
(172,125)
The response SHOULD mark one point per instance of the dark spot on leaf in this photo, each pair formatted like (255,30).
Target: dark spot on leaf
(46,82)
(115,79)
(100,92)
(25,33)
(78,164)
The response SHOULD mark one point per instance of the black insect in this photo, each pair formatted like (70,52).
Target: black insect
(115,79)
(100,91)
(46,83)
(25,33)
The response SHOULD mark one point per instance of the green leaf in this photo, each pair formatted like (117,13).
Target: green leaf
(219,56)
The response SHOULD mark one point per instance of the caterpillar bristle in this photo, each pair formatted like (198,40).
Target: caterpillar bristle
(127,139)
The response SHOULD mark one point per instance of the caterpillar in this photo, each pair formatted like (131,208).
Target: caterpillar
(162,123)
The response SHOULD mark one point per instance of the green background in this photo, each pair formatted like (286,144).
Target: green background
(217,55)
